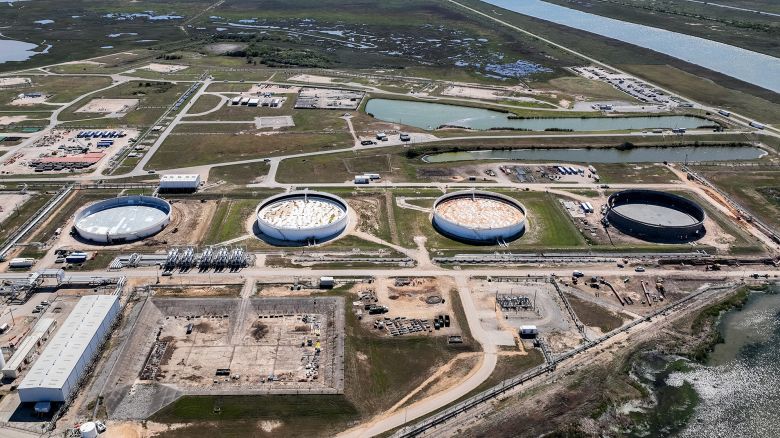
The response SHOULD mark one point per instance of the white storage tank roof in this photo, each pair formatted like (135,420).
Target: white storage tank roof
(88,430)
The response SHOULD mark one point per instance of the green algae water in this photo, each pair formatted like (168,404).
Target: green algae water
(735,394)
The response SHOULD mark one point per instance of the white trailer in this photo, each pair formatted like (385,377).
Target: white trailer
(327,282)
(21,263)
(179,182)
(528,331)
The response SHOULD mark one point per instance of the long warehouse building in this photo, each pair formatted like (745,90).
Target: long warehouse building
(26,349)
(54,376)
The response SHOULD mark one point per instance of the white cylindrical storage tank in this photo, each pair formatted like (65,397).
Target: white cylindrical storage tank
(88,430)
(20,263)
(123,219)
(302,216)
(478,216)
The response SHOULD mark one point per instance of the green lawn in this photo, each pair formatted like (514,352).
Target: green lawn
(547,226)
(204,103)
(299,415)
(757,190)
(229,221)
(61,89)
(183,149)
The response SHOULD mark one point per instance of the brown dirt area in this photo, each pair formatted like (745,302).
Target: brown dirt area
(410,301)
(229,290)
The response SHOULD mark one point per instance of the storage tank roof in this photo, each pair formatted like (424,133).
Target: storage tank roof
(480,212)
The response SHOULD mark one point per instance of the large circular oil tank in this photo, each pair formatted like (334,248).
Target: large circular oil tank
(656,216)
(479,216)
(302,216)
(123,219)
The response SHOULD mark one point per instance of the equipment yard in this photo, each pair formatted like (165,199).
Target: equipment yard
(67,151)
(327,98)
(207,345)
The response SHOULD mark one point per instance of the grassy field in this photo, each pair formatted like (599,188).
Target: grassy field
(20,215)
(395,26)
(389,23)
(154,98)
(547,226)
(61,89)
(593,315)
(239,174)
(229,220)
(757,190)
(637,173)
(204,103)
(588,87)
(183,150)
(298,415)
(81,29)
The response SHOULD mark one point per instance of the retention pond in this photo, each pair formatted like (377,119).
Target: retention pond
(676,154)
(426,115)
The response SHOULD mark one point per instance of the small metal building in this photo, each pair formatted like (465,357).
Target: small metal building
(174,182)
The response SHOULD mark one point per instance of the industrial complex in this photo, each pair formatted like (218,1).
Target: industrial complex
(334,220)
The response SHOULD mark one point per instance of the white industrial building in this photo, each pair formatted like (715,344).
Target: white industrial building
(26,349)
(54,376)
(175,182)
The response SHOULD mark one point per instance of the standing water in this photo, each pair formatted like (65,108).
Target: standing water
(11,50)
(752,67)
(735,394)
(427,115)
